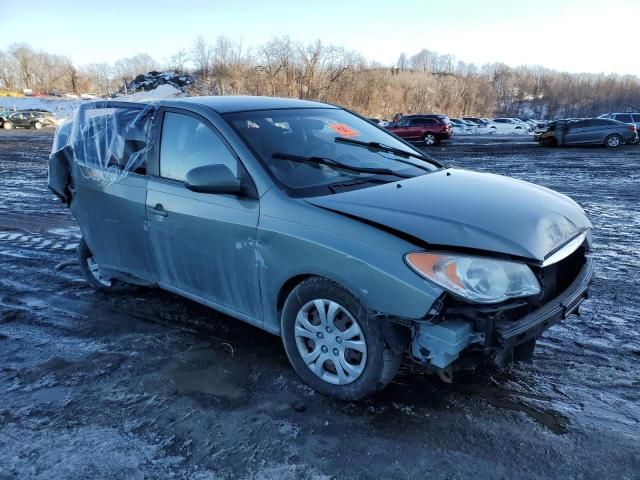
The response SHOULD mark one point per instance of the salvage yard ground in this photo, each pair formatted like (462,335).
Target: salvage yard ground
(151,385)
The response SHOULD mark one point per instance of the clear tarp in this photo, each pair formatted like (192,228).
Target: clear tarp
(106,141)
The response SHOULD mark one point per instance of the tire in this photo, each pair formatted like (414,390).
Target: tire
(37,125)
(91,273)
(613,141)
(370,366)
(549,142)
(7,125)
(430,140)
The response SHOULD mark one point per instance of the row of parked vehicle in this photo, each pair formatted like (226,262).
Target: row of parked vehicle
(27,119)
(433,128)
(611,129)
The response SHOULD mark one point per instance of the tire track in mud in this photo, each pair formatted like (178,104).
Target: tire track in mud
(39,241)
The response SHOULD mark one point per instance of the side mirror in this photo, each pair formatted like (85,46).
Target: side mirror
(213,179)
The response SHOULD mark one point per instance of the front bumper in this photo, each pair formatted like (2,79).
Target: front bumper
(531,326)
(450,341)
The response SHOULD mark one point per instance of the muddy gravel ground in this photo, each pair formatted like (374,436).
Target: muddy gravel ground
(150,385)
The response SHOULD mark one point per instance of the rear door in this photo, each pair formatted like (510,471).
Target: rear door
(597,129)
(205,245)
(416,128)
(109,201)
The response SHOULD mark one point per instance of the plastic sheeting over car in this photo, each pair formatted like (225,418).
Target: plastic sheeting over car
(105,142)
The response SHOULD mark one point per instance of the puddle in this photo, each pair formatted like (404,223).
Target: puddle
(212,370)
(54,394)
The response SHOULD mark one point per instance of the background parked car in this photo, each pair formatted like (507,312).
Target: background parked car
(462,127)
(29,119)
(589,131)
(430,128)
(509,125)
(479,122)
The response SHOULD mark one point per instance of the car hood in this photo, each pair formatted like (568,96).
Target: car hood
(465,209)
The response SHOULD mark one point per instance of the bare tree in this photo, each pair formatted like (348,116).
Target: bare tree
(178,61)
(202,57)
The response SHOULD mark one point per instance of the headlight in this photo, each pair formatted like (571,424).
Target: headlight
(479,279)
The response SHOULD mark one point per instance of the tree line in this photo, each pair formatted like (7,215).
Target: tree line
(424,82)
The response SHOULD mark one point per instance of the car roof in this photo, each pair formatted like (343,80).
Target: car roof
(244,103)
(425,115)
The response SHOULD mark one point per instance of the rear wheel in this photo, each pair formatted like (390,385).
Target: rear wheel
(37,125)
(430,139)
(333,343)
(613,141)
(97,279)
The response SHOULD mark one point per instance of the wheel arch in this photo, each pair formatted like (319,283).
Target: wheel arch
(396,335)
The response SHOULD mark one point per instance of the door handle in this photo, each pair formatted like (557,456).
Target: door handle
(159,210)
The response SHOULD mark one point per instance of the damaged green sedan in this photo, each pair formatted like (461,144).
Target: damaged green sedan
(310,222)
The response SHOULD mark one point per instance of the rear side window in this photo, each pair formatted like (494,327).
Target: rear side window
(636,117)
(601,122)
(188,143)
(626,118)
(424,121)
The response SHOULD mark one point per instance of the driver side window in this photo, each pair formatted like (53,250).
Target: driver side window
(187,143)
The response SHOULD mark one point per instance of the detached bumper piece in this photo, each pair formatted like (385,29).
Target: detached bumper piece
(463,336)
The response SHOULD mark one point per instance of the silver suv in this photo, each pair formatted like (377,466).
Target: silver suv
(629,117)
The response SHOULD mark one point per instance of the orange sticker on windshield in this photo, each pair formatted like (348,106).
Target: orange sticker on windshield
(343,130)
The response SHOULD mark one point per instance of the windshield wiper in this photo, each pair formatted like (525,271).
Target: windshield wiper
(335,164)
(390,149)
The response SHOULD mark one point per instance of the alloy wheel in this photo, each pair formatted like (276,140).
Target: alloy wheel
(613,141)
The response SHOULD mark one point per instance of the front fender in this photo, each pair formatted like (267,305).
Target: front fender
(378,277)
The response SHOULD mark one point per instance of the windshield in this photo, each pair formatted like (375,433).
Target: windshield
(311,133)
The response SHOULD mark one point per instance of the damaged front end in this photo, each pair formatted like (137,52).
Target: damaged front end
(457,335)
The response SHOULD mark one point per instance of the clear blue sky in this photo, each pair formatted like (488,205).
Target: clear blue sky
(571,35)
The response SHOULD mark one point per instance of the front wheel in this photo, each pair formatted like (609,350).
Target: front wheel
(7,125)
(37,125)
(430,139)
(95,277)
(613,141)
(333,343)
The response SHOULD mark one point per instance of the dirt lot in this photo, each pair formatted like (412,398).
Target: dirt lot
(153,386)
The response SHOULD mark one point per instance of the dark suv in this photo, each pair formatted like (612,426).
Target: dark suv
(431,129)
(29,119)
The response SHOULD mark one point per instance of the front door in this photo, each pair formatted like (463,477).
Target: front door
(575,132)
(204,244)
